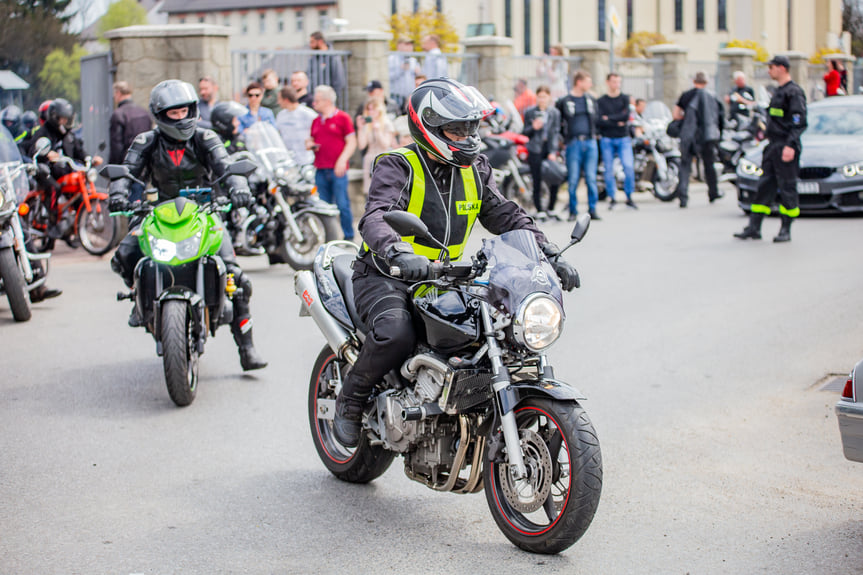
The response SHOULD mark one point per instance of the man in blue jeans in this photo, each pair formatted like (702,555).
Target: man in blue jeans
(613,125)
(333,140)
(578,125)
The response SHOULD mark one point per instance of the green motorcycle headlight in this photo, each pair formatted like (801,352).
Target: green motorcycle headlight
(166,250)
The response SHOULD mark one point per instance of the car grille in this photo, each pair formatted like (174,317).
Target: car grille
(816,173)
(850,200)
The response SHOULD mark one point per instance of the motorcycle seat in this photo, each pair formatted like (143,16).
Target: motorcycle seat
(342,271)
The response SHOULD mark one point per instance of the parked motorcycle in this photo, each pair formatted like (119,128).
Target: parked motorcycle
(288,220)
(737,139)
(181,286)
(20,271)
(81,211)
(477,405)
(511,175)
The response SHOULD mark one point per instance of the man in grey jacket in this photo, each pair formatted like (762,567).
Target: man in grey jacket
(702,117)
(542,126)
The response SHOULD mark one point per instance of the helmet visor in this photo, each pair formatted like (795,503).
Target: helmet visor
(460,104)
(461,129)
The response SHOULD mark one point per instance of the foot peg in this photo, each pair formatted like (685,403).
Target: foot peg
(125,295)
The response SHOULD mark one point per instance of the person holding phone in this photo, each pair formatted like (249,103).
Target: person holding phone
(375,135)
(542,126)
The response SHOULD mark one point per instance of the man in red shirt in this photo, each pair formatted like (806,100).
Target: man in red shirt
(333,140)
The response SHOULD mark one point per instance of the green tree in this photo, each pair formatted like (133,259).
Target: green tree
(121,14)
(61,75)
(417,25)
(852,22)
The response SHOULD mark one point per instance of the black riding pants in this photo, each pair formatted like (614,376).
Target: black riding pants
(384,307)
(707,153)
(535,163)
(778,178)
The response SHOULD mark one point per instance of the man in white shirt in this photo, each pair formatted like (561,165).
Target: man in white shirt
(403,68)
(434,65)
(294,122)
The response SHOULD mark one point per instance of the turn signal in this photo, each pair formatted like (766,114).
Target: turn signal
(848,391)
(230,286)
(23,210)
(314,190)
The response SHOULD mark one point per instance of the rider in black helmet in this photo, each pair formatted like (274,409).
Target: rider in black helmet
(176,155)
(10,116)
(225,119)
(456,188)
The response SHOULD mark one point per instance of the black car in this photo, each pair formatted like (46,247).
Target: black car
(831,163)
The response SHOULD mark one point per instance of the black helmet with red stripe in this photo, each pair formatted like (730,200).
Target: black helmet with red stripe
(444,105)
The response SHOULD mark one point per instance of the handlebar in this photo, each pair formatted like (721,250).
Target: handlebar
(452,271)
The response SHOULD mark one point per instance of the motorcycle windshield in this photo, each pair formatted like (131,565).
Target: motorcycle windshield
(518,268)
(10,159)
(657,111)
(263,140)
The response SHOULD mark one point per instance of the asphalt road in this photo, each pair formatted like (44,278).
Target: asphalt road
(702,357)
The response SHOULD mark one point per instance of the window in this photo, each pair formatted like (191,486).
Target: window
(721,15)
(280,22)
(244,25)
(300,22)
(227,20)
(629,18)
(699,15)
(394,8)
(324,19)
(262,23)
(507,18)
(678,15)
(526,27)
(439,6)
(600,11)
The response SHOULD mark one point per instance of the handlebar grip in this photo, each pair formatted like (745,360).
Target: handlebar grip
(395,271)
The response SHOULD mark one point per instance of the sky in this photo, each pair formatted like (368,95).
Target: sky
(92,10)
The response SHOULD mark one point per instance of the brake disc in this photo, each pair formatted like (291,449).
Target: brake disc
(528,495)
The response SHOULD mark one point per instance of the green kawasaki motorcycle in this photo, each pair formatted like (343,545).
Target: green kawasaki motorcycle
(181,286)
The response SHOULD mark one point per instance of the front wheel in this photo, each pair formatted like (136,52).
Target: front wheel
(354,465)
(316,230)
(552,507)
(666,190)
(97,230)
(13,285)
(179,352)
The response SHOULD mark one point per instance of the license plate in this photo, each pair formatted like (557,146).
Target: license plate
(808,188)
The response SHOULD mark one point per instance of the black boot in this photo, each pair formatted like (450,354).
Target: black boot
(249,357)
(42,293)
(753,230)
(350,404)
(784,231)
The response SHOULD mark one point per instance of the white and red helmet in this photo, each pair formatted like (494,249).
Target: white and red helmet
(446,105)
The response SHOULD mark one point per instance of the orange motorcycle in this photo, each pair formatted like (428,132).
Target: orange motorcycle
(81,212)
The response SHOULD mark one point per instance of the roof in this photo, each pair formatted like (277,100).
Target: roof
(194,6)
(11,81)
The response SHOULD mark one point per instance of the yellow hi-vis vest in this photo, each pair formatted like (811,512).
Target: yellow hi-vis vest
(451,224)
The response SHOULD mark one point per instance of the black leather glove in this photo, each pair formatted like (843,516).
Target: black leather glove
(412,267)
(568,275)
(117,203)
(241,197)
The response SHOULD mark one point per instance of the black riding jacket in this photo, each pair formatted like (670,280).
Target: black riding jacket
(171,165)
(786,120)
(66,143)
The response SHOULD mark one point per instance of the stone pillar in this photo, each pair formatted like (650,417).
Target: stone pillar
(742,59)
(145,55)
(594,60)
(367,62)
(495,77)
(675,81)
(799,69)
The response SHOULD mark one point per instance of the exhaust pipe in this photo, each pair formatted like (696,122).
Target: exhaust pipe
(337,337)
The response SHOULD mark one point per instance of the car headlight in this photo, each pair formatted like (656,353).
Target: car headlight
(852,170)
(749,168)
(166,250)
(538,322)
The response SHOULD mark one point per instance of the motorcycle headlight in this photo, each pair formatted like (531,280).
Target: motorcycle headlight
(749,168)
(538,322)
(308,173)
(166,250)
(92,175)
(853,170)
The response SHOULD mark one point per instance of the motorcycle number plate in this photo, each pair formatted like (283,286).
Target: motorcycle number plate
(808,188)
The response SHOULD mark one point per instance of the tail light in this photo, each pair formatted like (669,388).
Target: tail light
(848,390)
(23,210)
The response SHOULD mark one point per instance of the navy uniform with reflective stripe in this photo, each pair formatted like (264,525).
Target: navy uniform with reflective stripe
(785,124)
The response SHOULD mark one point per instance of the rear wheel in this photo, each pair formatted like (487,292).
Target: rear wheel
(97,230)
(14,285)
(552,507)
(179,352)
(316,230)
(355,465)
(667,190)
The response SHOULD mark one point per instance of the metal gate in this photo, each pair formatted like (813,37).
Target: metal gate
(97,101)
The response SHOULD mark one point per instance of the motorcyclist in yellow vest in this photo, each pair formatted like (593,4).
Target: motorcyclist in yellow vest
(443,179)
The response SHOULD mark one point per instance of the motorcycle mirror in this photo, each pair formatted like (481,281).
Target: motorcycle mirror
(114,171)
(582,223)
(102,146)
(43,146)
(242,168)
(406,224)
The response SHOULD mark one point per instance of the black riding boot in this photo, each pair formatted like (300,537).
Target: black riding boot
(784,231)
(350,403)
(753,230)
(241,327)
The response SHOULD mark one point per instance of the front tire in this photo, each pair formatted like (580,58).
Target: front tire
(667,191)
(13,284)
(179,352)
(97,230)
(552,508)
(317,230)
(361,464)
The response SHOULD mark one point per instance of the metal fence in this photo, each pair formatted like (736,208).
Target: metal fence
(553,71)
(718,73)
(323,67)
(640,77)
(403,67)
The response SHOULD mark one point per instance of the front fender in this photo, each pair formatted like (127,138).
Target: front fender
(545,388)
(179,292)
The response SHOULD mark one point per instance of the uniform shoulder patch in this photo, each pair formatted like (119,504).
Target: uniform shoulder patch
(141,138)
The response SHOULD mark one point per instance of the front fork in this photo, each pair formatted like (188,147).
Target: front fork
(504,403)
(23,255)
(289,216)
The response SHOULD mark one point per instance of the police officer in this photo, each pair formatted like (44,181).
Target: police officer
(781,159)
(443,179)
(179,154)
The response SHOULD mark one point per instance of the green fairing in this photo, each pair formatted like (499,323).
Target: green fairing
(167,223)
